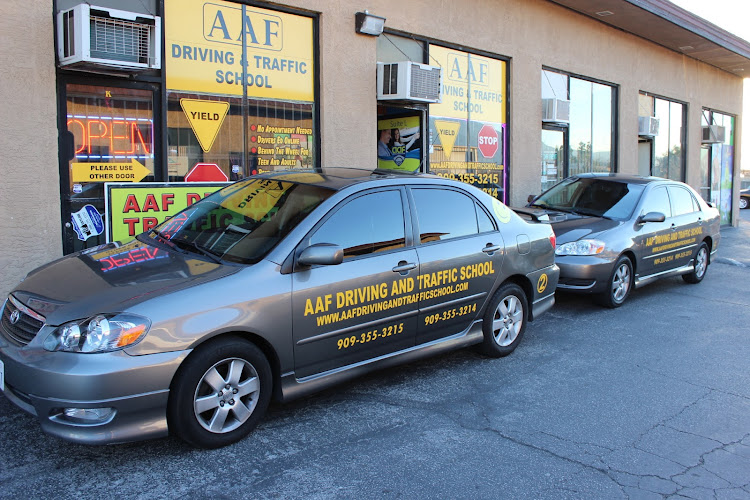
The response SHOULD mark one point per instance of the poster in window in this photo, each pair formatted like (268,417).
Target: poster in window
(399,143)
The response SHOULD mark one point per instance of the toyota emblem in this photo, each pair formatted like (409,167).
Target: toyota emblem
(15,316)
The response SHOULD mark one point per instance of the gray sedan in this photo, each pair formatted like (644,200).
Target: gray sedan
(616,232)
(278,285)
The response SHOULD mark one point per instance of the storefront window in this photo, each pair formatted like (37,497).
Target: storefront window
(110,139)
(240,83)
(468,129)
(668,144)
(718,143)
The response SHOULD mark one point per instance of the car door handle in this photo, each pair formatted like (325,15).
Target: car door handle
(490,248)
(404,267)
(674,227)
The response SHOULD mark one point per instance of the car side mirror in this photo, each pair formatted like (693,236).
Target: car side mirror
(531,198)
(651,217)
(321,254)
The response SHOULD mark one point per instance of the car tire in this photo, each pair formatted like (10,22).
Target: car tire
(700,266)
(743,203)
(220,393)
(505,320)
(619,285)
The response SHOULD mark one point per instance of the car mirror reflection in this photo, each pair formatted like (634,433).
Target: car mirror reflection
(321,254)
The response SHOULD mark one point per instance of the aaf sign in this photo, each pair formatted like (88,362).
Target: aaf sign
(205,52)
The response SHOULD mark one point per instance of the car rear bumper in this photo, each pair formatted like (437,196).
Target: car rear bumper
(128,394)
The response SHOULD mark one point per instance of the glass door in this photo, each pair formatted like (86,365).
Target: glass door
(108,136)
(554,155)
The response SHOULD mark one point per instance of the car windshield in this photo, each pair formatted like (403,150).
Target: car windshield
(598,197)
(242,222)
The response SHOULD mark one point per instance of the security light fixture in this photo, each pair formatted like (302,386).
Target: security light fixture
(368,24)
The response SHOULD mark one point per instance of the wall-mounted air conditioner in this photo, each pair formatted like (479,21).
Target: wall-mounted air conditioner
(90,37)
(648,126)
(555,111)
(409,81)
(713,134)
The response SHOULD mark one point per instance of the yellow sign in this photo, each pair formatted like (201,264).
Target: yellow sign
(541,285)
(135,208)
(473,86)
(447,132)
(205,118)
(109,172)
(204,52)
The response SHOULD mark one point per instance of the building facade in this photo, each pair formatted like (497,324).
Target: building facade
(117,115)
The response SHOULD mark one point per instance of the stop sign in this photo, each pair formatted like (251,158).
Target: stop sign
(488,141)
(206,172)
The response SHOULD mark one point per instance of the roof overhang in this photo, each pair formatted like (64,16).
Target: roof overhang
(670,26)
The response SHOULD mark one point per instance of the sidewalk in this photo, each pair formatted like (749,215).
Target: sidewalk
(734,247)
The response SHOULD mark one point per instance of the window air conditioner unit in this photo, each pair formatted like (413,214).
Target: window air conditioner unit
(555,111)
(92,37)
(648,126)
(713,134)
(409,81)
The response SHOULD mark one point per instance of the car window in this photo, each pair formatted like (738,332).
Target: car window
(485,222)
(657,201)
(682,200)
(443,214)
(592,196)
(367,224)
(242,222)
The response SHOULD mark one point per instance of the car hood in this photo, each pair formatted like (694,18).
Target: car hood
(111,278)
(570,227)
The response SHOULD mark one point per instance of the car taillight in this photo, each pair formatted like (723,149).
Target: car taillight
(553,239)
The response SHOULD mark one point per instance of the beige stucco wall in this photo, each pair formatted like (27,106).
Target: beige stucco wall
(532,33)
(29,180)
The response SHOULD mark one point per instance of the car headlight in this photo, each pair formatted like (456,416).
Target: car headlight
(580,247)
(101,333)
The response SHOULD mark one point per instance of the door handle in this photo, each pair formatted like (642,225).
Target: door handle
(490,248)
(674,227)
(404,267)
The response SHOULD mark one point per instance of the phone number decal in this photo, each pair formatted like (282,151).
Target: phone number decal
(379,333)
(450,314)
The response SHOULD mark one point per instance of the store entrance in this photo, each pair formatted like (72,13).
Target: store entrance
(401,139)
(108,135)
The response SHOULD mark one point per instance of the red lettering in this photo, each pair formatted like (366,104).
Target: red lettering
(131,222)
(82,134)
(136,133)
(131,203)
(166,200)
(112,137)
(149,222)
(192,198)
(102,128)
(109,261)
(150,204)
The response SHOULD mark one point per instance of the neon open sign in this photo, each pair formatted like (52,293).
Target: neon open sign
(112,136)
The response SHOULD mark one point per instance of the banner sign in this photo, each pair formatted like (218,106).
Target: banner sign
(135,208)
(399,143)
(204,52)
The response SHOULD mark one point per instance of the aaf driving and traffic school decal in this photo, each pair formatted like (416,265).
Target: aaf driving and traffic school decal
(663,246)
(368,302)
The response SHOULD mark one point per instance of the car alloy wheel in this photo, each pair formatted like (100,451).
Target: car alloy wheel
(504,320)
(743,203)
(700,266)
(621,282)
(226,395)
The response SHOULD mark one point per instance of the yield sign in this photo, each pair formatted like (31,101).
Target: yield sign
(206,172)
(205,117)
(447,132)
(487,141)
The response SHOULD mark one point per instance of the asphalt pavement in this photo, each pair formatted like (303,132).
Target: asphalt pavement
(650,400)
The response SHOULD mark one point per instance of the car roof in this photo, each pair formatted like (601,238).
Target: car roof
(338,178)
(631,178)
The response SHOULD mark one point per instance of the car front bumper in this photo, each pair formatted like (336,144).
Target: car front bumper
(583,273)
(130,391)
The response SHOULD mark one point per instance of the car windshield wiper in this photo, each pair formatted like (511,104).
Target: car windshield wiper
(192,247)
(590,213)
